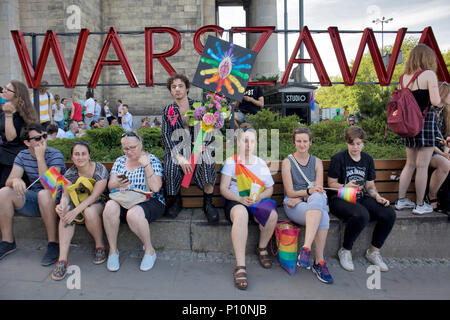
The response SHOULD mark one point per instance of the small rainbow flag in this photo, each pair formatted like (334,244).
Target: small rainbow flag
(53,180)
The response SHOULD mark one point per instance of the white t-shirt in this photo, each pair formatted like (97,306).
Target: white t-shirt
(98,110)
(59,114)
(127,121)
(259,169)
(90,106)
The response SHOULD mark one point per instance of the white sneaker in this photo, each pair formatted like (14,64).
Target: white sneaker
(148,261)
(424,208)
(375,258)
(404,203)
(345,258)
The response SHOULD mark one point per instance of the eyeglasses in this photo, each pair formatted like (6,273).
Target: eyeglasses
(7,89)
(38,138)
(127,149)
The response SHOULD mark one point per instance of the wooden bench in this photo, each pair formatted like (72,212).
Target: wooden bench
(387,176)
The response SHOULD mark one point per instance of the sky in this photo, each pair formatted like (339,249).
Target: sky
(414,15)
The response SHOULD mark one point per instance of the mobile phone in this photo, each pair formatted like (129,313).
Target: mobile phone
(122,176)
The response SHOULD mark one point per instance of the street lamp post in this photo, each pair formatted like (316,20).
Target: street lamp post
(382,21)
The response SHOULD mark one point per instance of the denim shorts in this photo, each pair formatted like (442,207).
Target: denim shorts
(30,205)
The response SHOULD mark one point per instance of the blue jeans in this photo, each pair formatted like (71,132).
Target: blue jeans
(30,205)
(60,124)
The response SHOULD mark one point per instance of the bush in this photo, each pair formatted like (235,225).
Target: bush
(105,143)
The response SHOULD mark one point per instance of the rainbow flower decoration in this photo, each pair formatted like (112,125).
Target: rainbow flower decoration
(226,69)
(211,114)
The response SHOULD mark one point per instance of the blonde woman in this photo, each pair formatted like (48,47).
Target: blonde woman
(419,149)
(76,108)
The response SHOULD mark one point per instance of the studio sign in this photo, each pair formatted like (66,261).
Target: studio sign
(69,79)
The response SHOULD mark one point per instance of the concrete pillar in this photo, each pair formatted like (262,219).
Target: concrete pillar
(208,12)
(9,20)
(263,13)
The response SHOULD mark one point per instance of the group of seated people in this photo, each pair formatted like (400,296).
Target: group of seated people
(305,200)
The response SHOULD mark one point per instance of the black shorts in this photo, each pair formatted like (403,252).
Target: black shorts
(153,210)
(229,204)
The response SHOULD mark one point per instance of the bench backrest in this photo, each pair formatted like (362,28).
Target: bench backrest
(387,176)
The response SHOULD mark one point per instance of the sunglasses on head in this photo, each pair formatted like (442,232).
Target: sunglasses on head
(39,137)
(130,134)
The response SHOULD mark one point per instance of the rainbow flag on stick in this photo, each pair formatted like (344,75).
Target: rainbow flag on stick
(54,181)
(247,181)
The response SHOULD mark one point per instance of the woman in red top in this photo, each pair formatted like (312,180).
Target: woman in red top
(76,109)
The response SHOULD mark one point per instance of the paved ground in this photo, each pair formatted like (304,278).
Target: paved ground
(202,276)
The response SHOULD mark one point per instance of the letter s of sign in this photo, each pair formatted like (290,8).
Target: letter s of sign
(74,279)
(373,281)
(73,22)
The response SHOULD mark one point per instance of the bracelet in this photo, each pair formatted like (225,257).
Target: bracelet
(307,191)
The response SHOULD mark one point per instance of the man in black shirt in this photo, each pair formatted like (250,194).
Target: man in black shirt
(252,102)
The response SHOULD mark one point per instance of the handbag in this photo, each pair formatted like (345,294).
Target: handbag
(129,197)
(286,235)
(78,192)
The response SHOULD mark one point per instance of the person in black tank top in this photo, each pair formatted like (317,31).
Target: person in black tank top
(419,149)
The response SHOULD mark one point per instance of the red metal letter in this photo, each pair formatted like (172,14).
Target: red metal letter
(266,32)
(429,39)
(113,37)
(149,55)
(33,77)
(305,35)
(209,28)
(369,38)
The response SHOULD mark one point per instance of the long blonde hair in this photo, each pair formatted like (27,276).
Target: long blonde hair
(58,101)
(444,90)
(421,57)
(24,106)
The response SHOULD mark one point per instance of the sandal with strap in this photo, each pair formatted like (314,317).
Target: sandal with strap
(264,259)
(240,277)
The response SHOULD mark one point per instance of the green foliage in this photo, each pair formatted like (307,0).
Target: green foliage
(266,119)
(329,131)
(105,143)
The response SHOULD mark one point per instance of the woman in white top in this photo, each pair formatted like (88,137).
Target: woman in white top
(58,112)
(236,207)
(107,112)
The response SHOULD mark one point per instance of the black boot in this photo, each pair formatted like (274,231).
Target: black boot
(210,211)
(175,207)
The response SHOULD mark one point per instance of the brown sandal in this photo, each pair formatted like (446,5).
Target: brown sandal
(240,278)
(264,259)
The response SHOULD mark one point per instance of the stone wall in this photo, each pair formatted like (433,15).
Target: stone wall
(98,15)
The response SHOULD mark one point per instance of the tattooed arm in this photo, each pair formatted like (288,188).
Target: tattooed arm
(372,191)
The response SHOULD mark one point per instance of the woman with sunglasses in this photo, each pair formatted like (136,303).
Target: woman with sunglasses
(136,169)
(90,208)
(18,111)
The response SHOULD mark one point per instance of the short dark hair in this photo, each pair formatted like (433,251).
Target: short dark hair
(89,94)
(24,134)
(354,132)
(300,130)
(52,128)
(182,77)
(80,143)
(119,101)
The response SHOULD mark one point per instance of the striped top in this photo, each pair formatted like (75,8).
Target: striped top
(26,161)
(137,177)
(45,106)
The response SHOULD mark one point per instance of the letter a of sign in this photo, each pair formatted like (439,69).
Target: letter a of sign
(305,36)
(429,39)
(113,37)
(33,77)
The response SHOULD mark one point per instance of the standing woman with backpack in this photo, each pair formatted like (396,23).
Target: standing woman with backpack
(419,148)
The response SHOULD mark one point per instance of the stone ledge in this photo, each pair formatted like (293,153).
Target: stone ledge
(425,236)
